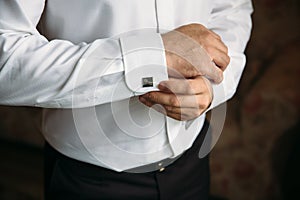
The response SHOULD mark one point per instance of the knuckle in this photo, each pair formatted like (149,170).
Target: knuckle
(152,97)
(226,49)
(218,37)
(169,108)
(193,72)
(174,101)
(206,101)
(192,87)
(184,118)
(211,37)
(207,37)
(188,70)
(228,60)
(202,103)
(196,25)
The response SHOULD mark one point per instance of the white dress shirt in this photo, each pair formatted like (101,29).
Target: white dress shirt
(93,56)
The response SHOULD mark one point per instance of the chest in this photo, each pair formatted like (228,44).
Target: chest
(105,18)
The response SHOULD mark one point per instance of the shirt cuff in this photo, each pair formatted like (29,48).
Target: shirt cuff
(223,91)
(144,61)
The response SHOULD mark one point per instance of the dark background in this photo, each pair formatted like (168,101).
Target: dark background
(257,155)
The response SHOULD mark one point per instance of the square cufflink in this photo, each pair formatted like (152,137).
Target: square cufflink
(147,82)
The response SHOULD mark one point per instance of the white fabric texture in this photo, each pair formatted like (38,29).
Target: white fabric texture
(91,56)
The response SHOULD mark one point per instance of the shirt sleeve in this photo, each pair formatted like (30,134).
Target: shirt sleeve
(59,74)
(232,21)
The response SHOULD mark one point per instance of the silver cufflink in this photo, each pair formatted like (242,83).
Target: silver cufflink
(147,82)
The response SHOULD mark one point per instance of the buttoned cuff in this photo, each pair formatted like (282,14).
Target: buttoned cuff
(219,95)
(226,89)
(144,61)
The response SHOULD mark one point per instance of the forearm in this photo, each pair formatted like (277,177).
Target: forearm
(37,72)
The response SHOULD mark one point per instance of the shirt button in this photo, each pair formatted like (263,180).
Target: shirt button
(161,169)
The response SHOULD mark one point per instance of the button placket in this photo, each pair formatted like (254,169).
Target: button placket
(160,167)
(165,15)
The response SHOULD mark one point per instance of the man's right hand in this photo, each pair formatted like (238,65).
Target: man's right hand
(194,50)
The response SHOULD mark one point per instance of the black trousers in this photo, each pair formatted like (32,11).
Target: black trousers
(186,178)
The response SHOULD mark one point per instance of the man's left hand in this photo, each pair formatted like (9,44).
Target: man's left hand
(180,99)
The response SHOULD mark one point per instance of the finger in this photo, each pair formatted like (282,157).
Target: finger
(201,60)
(188,112)
(184,86)
(182,67)
(187,101)
(220,58)
(175,115)
(190,60)
(220,44)
(175,112)
(160,109)
(218,52)
(213,73)
(171,109)
(216,36)
(182,114)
